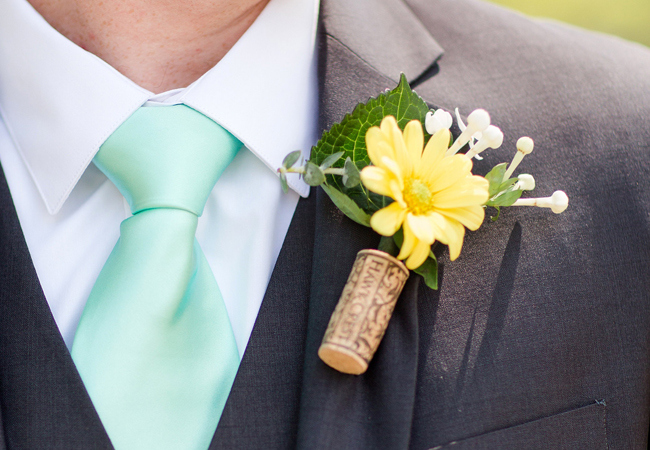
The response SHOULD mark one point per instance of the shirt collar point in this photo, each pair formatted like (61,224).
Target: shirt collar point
(52,204)
(300,187)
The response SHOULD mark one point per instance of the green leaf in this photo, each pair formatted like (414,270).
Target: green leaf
(347,205)
(495,218)
(331,159)
(352,175)
(505,199)
(313,175)
(428,270)
(495,178)
(504,193)
(387,244)
(507,184)
(283,182)
(291,159)
(349,136)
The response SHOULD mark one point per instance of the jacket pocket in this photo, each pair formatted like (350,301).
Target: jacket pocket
(580,428)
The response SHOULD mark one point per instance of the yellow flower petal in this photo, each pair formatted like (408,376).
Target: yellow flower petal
(388,220)
(408,244)
(418,256)
(449,232)
(396,192)
(373,137)
(436,196)
(414,139)
(434,151)
(464,193)
(456,239)
(388,126)
(448,172)
(394,137)
(378,146)
(440,227)
(470,216)
(396,170)
(377,179)
(421,226)
(402,156)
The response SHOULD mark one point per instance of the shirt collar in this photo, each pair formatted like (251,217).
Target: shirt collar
(60,103)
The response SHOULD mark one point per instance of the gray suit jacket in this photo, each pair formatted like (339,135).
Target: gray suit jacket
(539,334)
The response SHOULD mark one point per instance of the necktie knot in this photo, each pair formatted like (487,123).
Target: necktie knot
(167,157)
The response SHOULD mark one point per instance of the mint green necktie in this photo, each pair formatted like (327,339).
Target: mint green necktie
(154,345)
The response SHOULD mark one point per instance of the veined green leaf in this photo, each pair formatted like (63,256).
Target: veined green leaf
(349,136)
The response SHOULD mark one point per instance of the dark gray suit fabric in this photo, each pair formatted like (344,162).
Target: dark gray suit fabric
(544,313)
(544,319)
(538,336)
(42,398)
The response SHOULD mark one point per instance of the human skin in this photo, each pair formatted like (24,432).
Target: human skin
(159,44)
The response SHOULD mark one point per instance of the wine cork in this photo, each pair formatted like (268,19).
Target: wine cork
(361,316)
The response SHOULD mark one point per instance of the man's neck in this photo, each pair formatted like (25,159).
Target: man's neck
(159,44)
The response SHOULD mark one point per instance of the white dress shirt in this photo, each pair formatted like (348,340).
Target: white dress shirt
(58,103)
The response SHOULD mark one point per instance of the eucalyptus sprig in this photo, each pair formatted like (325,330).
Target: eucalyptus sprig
(315,175)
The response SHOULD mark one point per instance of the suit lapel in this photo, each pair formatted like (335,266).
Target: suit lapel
(363,47)
(262,409)
(43,401)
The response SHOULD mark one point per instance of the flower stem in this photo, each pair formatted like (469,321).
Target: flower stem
(334,171)
(328,171)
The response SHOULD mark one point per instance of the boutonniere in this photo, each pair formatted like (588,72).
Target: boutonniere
(393,165)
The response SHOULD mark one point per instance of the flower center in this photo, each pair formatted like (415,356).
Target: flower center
(417,196)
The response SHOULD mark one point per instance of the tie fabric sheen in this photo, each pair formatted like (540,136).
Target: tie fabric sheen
(154,346)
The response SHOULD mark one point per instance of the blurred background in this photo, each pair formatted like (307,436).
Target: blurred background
(629,19)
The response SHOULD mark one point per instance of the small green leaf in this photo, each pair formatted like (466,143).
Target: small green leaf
(505,199)
(398,237)
(352,175)
(429,271)
(507,184)
(283,182)
(495,178)
(331,159)
(313,175)
(291,159)
(387,244)
(505,195)
(495,218)
(347,205)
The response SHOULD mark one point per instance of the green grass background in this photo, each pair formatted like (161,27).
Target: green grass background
(629,19)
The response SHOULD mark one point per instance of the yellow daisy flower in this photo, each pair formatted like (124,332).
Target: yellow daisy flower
(436,196)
